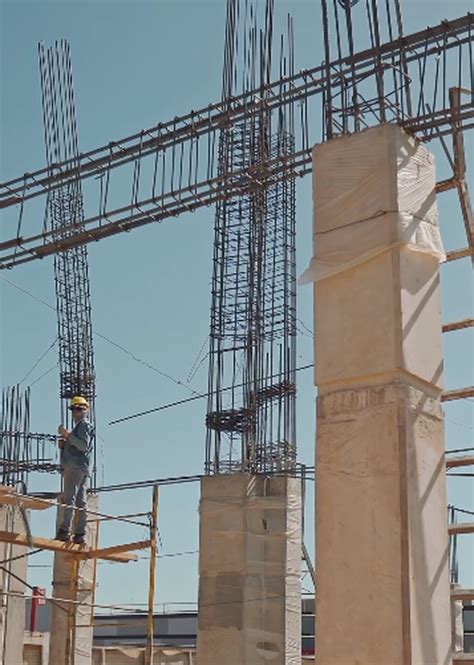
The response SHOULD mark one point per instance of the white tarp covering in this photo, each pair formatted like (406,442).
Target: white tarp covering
(371,197)
(128,655)
(250,568)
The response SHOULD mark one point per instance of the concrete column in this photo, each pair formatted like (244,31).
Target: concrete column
(381,519)
(12,614)
(83,614)
(250,566)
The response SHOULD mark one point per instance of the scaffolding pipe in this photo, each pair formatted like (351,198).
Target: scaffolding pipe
(151,588)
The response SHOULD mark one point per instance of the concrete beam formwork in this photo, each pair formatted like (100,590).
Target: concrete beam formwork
(250,567)
(71,623)
(381,520)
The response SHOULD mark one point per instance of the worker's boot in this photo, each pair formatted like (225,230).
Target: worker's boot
(63,536)
(79,539)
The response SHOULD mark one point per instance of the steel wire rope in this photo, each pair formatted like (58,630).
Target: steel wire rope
(37,362)
(106,339)
(18,594)
(178,480)
(21,556)
(463,425)
(42,376)
(190,399)
(130,608)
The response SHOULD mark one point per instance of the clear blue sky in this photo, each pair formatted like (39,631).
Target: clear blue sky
(135,64)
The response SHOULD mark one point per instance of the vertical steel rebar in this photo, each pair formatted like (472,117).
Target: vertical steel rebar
(253,310)
(22,451)
(66,207)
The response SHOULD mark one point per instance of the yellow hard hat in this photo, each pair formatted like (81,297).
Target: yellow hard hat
(79,401)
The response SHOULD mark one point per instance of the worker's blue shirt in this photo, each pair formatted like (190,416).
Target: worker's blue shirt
(77,449)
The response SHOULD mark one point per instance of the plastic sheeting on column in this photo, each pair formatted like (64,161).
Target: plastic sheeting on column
(250,569)
(372,192)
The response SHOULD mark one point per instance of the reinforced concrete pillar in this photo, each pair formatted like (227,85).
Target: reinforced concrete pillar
(381,519)
(12,613)
(81,619)
(249,567)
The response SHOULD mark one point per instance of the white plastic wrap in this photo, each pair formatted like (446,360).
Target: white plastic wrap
(250,568)
(134,656)
(172,657)
(266,523)
(372,192)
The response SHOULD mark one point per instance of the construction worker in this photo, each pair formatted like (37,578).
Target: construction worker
(75,469)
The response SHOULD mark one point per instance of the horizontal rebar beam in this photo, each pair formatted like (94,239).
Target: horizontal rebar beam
(30,435)
(226,113)
(171,204)
(205,188)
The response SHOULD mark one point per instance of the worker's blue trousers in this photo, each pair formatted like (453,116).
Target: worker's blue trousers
(74,494)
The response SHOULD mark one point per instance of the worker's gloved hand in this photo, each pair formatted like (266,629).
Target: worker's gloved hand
(63,432)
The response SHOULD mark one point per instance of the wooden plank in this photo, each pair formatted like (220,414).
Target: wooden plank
(467,214)
(114,550)
(462,527)
(460,393)
(458,325)
(452,462)
(463,659)
(445,185)
(66,548)
(456,254)
(28,502)
(462,594)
